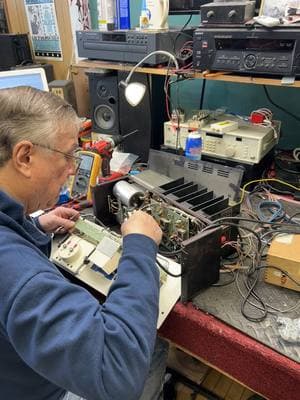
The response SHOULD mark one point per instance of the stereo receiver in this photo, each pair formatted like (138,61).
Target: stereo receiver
(252,51)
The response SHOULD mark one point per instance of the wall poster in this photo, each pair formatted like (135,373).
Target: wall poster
(43,28)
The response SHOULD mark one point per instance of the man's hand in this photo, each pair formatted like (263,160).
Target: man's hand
(61,218)
(143,223)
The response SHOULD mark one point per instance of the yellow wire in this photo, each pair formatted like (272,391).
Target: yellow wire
(264,180)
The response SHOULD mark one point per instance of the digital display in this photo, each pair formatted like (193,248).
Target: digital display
(283,45)
(86,162)
(117,37)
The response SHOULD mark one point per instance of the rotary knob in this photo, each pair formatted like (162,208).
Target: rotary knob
(232,14)
(230,151)
(250,61)
(210,14)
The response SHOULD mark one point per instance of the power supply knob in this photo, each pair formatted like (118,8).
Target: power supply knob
(210,14)
(230,151)
(232,14)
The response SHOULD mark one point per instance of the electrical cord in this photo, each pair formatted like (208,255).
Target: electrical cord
(167,271)
(274,209)
(278,106)
(182,33)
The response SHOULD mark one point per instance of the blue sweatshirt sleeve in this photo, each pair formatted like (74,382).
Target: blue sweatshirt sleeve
(97,352)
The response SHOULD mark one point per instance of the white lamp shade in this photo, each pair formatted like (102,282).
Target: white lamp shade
(134,92)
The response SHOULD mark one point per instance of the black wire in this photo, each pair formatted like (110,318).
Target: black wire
(168,272)
(253,221)
(182,33)
(229,282)
(293,216)
(278,164)
(170,253)
(278,106)
(202,93)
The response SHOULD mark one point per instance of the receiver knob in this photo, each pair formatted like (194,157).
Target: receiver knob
(210,14)
(230,151)
(250,61)
(232,14)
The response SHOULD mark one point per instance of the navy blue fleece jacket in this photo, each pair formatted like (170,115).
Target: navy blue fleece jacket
(54,336)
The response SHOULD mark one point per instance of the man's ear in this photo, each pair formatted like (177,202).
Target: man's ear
(22,157)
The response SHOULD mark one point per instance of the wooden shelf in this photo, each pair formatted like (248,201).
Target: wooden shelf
(217,76)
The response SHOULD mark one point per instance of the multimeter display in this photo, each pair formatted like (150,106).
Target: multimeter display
(86,163)
(86,175)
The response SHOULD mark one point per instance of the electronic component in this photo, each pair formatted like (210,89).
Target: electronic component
(64,89)
(224,126)
(130,45)
(183,196)
(92,253)
(227,12)
(284,254)
(86,175)
(256,51)
(248,144)
(14,50)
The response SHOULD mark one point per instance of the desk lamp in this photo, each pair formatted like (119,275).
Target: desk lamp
(134,91)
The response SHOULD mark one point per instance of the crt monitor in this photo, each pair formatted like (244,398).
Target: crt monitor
(34,77)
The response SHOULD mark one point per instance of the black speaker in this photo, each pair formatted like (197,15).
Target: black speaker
(104,96)
(14,50)
(111,113)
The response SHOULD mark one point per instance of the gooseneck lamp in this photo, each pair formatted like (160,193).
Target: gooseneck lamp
(135,91)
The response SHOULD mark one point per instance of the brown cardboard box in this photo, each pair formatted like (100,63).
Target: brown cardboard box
(284,253)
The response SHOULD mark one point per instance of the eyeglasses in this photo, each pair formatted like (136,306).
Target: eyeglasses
(68,156)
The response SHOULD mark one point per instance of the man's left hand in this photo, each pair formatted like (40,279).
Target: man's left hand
(60,219)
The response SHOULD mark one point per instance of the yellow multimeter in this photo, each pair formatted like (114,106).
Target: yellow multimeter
(86,175)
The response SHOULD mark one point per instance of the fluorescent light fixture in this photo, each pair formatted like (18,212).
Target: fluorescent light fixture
(135,91)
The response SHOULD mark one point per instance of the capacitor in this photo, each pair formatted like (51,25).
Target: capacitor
(129,194)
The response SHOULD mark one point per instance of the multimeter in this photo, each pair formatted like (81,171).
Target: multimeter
(86,175)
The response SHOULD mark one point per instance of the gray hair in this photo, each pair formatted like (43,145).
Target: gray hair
(34,115)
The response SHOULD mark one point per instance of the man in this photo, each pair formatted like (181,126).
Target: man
(55,338)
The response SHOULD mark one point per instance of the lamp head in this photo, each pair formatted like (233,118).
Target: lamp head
(134,92)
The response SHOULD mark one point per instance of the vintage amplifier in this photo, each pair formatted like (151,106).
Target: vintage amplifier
(251,51)
(130,45)
(227,12)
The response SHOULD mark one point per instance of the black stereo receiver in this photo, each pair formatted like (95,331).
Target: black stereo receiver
(251,51)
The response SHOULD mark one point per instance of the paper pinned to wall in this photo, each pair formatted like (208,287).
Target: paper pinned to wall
(43,27)
(80,21)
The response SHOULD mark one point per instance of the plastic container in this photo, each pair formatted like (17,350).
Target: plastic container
(106,14)
(193,146)
(123,14)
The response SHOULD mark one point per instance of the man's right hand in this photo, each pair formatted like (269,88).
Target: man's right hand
(142,223)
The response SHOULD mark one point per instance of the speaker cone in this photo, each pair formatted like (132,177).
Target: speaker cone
(104,117)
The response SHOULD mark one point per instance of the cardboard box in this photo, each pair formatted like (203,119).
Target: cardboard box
(284,253)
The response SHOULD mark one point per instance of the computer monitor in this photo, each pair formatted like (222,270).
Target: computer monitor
(34,77)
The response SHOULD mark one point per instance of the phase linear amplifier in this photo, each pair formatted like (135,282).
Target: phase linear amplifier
(252,51)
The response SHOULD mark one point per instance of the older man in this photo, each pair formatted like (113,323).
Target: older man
(55,338)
